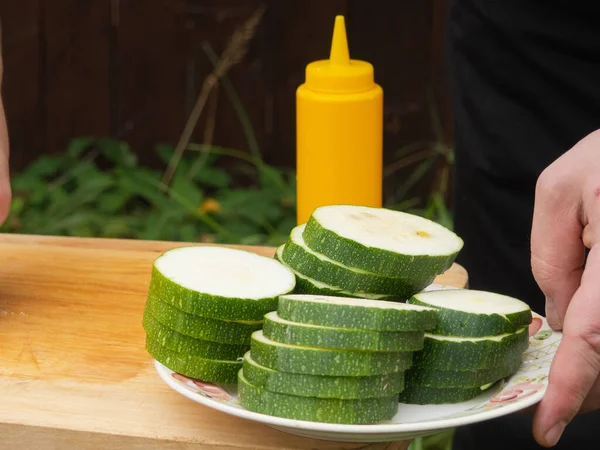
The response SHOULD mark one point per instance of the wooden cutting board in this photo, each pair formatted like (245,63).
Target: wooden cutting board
(74,373)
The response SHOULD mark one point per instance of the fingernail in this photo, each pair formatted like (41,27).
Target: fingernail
(554,434)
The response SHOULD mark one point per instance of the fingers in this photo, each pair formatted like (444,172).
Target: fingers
(576,366)
(5,189)
(557,250)
(5,197)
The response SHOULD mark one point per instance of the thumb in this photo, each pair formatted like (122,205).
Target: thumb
(576,365)
(557,250)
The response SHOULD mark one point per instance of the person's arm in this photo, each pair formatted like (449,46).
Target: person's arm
(566,220)
(5,190)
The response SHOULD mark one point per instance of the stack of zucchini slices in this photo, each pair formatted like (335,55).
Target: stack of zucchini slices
(364,252)
(479,339)
(203,305)
(337,328)
(332,359)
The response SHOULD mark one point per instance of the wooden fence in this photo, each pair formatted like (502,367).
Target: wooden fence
(133,69)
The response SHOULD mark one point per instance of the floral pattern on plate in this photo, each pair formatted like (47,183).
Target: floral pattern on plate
(532,376)
(517,392)
(206,389)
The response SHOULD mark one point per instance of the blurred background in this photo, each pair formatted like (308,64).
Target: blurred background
(175,119)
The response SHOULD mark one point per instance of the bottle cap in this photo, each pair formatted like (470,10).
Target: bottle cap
(339,73)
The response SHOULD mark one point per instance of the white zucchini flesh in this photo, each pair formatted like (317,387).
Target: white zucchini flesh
(219,282)
(299,257)
(382,241)
(390,230)
(473,301)
(225,272)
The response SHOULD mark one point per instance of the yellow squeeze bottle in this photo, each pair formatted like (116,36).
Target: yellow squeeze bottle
(339,132)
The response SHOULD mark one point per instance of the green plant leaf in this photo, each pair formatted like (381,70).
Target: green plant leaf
(79,145)
(114,201)
(249,204)
(43,167)
(443,215)
(117,227)
(17,205)
(117,152)
(414,177)
(58,197)
(272,177)
(187,189)
(164,152)
(188,232)
(212,177)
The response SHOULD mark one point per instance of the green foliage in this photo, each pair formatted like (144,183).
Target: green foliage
(438,441)
(97,188)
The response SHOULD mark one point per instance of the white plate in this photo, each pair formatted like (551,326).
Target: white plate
(522,390)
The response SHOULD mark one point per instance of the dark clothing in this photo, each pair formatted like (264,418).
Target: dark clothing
(525,80)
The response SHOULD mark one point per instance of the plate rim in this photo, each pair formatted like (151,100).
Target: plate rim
(365,429)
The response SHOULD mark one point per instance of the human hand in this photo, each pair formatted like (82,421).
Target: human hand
(5,189)
(566,219)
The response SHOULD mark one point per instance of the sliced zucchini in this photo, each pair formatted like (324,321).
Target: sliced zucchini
(225,332)
(209,370)
(287,332)
(220,282)
(303,385)
(181,343)
(361,314)
(328,410)
(423,376)
(425,395)
(453,353)
(473,313)
(378,240)
(320,361)
(306,285)
(299,257)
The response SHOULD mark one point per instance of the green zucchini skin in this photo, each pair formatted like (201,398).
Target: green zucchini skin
(363,317)
(224,332)
(421,269)
(327,410)
(424,395)
(423,376)
(316,266)
(306,285)
(470,353)
(209,306)
(344,388)
(197,294)
(287,332)
(209,370)
(318,361)
(181,343)
(451,322)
